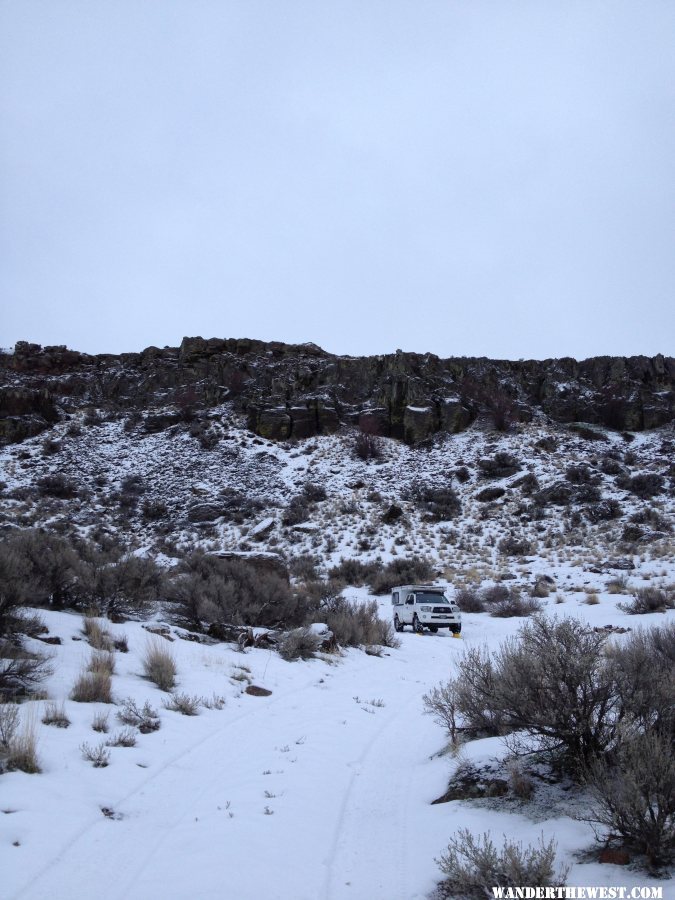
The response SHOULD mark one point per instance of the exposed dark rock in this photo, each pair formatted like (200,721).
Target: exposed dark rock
(300,390)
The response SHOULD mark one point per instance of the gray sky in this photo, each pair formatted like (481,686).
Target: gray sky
(462,177)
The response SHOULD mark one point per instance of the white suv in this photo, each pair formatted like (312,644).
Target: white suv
(424,606)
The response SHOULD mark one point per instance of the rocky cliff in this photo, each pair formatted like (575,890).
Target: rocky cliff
(299,391)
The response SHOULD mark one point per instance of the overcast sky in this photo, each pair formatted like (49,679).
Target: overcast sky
(457,176)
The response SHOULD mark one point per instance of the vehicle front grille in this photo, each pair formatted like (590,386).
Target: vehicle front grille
(442,609)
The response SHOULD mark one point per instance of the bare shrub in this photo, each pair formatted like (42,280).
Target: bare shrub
(520,783)
(367,446)
(124,738)
(634,795)
(488,494)
(92,687)
(469,599)
(159,665)
(410,570)
(649,600)
(500,465)
(439,502)
(55,714)
(646,485)
(473,866)
(98,756)
(442,703)
(185,704)
(356,624)
(145,718)
(301,643)
(515,605)
(513,546)
(57,485)
(354,571)
(9,722)
(592,598)
(21,671)
(617,585)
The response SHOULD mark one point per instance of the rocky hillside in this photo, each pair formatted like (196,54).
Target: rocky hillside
(290,391)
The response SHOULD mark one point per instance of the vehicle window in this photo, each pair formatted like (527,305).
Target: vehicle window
(430,597)
(395,598)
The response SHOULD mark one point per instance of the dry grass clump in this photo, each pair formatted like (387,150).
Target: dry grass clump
(100,722)
(92,687)
(56,715)
(592,598)
(159,666)
(617,585)
(124,738)
(20,748)
(101,663)
(98,635)
(184,704)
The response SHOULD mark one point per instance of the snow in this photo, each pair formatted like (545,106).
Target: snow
(321,790)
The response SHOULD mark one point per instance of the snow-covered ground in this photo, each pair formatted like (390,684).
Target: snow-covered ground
(321,789)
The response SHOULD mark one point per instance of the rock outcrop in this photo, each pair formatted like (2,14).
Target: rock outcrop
(298,391)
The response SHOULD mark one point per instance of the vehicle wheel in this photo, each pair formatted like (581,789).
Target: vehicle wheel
(433,629)
(397,624)
(418,628)
(456,629)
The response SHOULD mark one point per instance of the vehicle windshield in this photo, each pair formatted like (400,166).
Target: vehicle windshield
(430,597)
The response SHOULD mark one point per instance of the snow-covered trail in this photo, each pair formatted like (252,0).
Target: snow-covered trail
(314,792)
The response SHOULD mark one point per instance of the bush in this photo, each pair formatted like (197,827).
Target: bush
(124,738)
(551,683)
(184,704)
(411,570)
(579,474)
(37,566)
(231,591)
(367,446)
(21,672)
(634,795)
(462,474)
(97,635)
(646,485)
(473,866)
(144,718)
(98,756)
(356,624)
(439,503)
(125,585)
(55,715)
(500,465)
(469,600)
(515,605)
(57,486)
(92,687)
(102,663)
(22,749)
(489,494)
(301,643)
(355,572)
(513,546)
(159,665)
(649,600)
(297,511)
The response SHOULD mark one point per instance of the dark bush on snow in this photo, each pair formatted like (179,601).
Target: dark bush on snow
(125,585)
(603,511)
(528,484)
(515,605)
(649,600)
(355,572)
(462,474)
(634,795)
(500,465)
(39,568)
(231,591)
(513,546)
(558,494)
(367,446)
(439,503)
(489,494)
(413,570)
(469,600)
(580,474)
(57,486)
(646,485)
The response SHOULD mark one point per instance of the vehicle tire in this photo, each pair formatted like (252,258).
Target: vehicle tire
(398,626)
(433,629)
(456,629)
(417,626)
